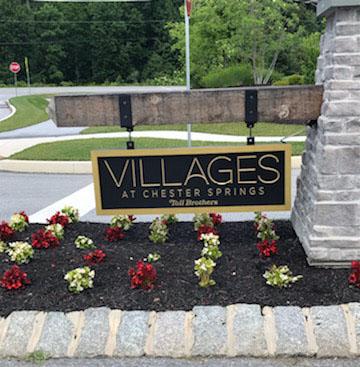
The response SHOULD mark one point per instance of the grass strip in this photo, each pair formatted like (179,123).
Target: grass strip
(30,110)
(232,128)
(79,150)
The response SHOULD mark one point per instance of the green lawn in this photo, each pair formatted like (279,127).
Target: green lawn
(233,128)
(79,150)
(30,110)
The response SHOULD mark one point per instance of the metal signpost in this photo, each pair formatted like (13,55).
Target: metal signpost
(187,43)
(15,69)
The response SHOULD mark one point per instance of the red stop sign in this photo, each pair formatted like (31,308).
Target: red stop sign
(14,67)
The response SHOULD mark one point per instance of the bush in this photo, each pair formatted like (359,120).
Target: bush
(232,76)
(294,79)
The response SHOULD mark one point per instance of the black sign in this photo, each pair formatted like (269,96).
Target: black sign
(190,180)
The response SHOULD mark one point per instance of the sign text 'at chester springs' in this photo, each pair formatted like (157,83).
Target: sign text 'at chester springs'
(246,178)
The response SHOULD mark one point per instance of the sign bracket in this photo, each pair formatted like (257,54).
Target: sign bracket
(251,113)
(125,113)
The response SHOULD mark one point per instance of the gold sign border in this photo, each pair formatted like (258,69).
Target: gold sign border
(188,151)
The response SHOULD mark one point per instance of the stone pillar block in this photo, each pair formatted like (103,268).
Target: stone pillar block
(326,212)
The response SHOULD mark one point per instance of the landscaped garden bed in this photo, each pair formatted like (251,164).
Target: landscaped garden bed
(238,273)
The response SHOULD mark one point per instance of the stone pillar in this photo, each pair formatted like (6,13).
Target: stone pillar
(326,213)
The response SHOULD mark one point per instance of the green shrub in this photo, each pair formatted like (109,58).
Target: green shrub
(232,76)
(294,79)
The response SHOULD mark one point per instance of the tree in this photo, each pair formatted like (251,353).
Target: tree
(227,32)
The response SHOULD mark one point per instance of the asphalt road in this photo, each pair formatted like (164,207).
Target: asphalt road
(161,362)
(34,192)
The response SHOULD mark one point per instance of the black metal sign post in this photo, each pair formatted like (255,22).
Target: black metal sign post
(126,117)
(251,112)
(190,180)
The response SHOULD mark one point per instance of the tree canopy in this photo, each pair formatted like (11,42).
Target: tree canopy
(135,42)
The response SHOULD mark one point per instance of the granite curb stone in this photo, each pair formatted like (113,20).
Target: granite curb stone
(210,333)
(207,331)
(248,331)
(290,329)
(94,335)
(330,331)
(56,334)
(165,340)
(17,334)
(131,335)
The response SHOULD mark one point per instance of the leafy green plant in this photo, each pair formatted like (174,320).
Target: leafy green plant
(56,229)
(153,257)
(20,252)
(265,227)
(204,267)
(169,219)
(80,279)
(202,219)
(294,79)
(19,222)
(84,243)
(72,213)
(280,276)
(123,221)
(211,246)
(37,357)
(158,231)
(3,247)
(232,76)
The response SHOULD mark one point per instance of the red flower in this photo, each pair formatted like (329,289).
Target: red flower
(94,257)
(23,214)
(204,229)
(59,218)
(132,217)
(144,276)
(216,218)
(354,278)
(267,248)
(14,278)
(6,232)
(44,239)
(114,234)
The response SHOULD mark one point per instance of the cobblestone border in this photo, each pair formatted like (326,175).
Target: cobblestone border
(206,331)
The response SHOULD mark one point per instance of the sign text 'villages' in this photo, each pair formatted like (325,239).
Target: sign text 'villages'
(192,180)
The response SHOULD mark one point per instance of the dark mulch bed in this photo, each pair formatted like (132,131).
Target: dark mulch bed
(238,274)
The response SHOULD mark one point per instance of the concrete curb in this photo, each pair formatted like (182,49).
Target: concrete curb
(13,111)
(207,331)
(70,167)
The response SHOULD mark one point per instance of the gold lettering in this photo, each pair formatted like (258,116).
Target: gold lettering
(146,194)
(227,191)
(261,190)
(252,191)
(239,169)
(124,195)
(117,182)
(143,184)
(163,176)
(191,175)
(196,192)
(210,192)
(132,192)
(271,169)
(133,172)
(229,171)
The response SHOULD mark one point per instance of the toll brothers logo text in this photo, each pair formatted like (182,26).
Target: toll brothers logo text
(233,179)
